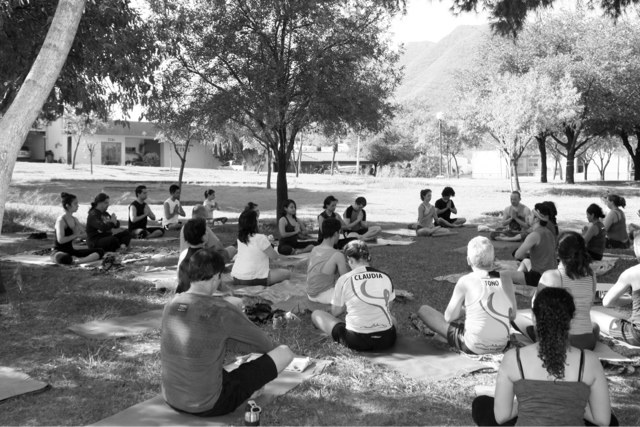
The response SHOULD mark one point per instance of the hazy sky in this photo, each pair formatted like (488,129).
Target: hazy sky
(431,21)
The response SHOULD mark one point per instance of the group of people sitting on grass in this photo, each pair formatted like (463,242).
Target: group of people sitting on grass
(556,379)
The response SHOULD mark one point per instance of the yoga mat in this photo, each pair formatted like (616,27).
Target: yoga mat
(299,304)
(119,326)
(14,383)
(625,257)
(394,241)
(422,361)
(293,260)
(400,231)
(30,259)
(155,412)
(159,239)
(603,351)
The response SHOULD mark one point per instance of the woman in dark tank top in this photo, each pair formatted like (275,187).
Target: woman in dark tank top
(553,382)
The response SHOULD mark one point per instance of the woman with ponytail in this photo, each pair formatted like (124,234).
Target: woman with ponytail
(68,229)
(575,275)
(100,225)
(615,223)
(595,236)
(554,383)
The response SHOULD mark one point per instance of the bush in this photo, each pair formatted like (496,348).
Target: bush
(152,159)
(29,211)
(420,167)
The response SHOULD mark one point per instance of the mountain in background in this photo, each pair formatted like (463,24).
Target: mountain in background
(430,68)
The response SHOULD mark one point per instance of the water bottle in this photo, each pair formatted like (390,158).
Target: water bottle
(252,414)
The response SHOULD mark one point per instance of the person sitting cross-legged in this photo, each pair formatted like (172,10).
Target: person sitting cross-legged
(291,229)
(540,245)
(197,330)
(210,238)
(251,267)
(330,204)
(326,264)
(139,212)
(487,299)
(355,219)
(173,209)
(514,226)
(194,233)
(553,383)
(100,227)
(574,273)
(445,207)
(367,295)
(427,224)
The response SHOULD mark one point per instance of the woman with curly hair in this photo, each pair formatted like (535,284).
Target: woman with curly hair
(554,383)
(575,275)
(251,267)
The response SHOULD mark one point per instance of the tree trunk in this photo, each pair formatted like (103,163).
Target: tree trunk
(91,161)
(73,161)
(542,147)
(586,168)
(515,182)
(269,162)
(282,190)
(602,173)
(457,167)
(635,156)
(25,108)
(333,158)
(571,164)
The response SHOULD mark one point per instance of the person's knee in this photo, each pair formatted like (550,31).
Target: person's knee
(285,249)
(282,356)
(62,258)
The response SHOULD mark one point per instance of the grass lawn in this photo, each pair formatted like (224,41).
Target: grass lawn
(95,379)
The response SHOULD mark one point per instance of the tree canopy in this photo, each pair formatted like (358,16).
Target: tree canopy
(274,66)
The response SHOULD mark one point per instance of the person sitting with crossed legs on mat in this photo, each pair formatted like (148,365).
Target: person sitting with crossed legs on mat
(428,218)
(445,207)
(625,292)
(211,206)
(355,219)
(514,226)
(210,239)
(326,264)
(486,299)
(173,209)
(197,330)
(139,211)
(367,295)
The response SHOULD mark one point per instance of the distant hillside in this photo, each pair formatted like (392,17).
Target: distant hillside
(430,67)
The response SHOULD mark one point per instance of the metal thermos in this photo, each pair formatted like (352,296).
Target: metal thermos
(252,414)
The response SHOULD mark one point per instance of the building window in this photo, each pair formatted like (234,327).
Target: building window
(534,162)
(580,166)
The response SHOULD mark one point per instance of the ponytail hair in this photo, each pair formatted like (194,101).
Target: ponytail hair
(618,201)
(553,310)
(423,193)
(99,199)
(595,210)
(357,250)
(209,192)
(572,251)
(285,205)
(67,199)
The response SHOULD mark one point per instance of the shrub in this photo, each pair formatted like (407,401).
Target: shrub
(152,159)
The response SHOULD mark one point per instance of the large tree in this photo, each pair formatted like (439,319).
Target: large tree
(275,66)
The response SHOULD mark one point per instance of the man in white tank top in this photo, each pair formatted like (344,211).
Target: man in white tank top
(488,301)
(173,210)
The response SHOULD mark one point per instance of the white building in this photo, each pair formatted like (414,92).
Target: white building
(115,145)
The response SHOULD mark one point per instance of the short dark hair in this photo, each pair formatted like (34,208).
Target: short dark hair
(250,206)
(139,189)
(330,226)
(328,200)
(209,192)
(99,199)
(194,231)
(205,264)
(173,188)
(448,192)
(361,201)
(423,193)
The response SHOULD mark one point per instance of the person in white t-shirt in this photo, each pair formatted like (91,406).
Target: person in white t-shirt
(251,267)
(366,295)
(173,210)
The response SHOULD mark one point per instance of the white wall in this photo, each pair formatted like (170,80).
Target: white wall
(198,156)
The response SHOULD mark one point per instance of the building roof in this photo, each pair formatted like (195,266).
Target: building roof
(142,129)
(323,156)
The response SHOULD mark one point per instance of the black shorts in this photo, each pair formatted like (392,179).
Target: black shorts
(455,337)
(239,384)
(532,278)
(595,256)
(142,233)
(616,244)
(251,282)
(363,342)
(360,232)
